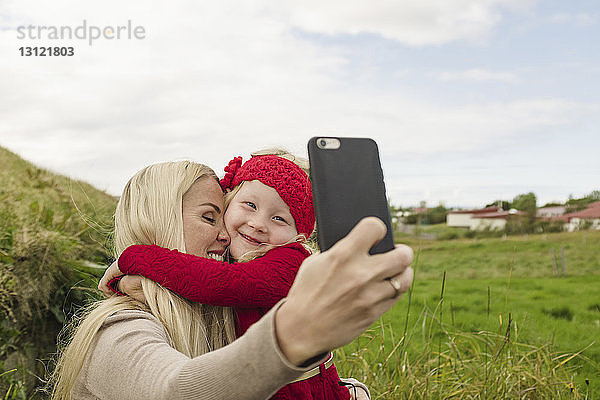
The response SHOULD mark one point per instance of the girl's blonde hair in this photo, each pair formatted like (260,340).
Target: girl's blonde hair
(149,212)
(300,238)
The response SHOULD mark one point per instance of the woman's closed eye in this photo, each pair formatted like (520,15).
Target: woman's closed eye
(209,218)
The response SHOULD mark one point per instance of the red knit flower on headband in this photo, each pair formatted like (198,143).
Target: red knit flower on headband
(290,181)
(230,171)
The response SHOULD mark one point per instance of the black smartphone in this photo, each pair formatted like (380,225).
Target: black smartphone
(347,184)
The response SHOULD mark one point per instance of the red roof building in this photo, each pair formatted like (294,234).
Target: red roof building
(576,220)
(488,217)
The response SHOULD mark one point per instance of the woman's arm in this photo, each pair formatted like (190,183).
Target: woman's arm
(132,360)
(258,283)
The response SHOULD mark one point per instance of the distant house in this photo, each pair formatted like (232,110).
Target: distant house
(550,212)
(462,218)
(492,218)
(420,210)
(576,220)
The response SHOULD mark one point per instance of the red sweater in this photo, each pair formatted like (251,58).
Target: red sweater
(251,288)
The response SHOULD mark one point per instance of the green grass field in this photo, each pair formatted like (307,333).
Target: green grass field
(507,326)
(464,345)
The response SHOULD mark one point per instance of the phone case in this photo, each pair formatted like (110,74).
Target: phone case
(347,185)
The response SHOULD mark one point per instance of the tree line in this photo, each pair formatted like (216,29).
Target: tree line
(526,203)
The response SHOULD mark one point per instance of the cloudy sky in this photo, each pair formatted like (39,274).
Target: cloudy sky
(469,100)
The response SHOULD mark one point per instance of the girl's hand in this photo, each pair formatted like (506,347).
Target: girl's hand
(110,273)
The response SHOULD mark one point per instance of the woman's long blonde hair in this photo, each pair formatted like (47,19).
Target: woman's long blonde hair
(149,212)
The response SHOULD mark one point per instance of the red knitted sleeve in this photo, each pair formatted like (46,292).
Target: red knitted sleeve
(258,283)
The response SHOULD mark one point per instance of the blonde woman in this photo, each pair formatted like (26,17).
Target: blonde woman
(269,214)
(171,349)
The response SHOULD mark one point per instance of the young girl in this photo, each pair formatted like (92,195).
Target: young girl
(269,214)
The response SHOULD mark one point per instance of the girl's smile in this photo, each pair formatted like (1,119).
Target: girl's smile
(250,239)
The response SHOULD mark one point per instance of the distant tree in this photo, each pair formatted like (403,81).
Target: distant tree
(527,203)
(578,204)
(551,204)
(411,219)
(504,204)
(437,215)
(429,216)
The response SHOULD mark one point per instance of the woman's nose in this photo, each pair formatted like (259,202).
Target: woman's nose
(223,236)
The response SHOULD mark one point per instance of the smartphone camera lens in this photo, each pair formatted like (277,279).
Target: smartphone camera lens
(328,143)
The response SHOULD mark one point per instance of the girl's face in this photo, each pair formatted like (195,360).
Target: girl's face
(256,215)
(203,229)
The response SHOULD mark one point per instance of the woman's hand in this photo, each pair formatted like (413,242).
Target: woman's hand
(111,272)
(131,285)
(339,293)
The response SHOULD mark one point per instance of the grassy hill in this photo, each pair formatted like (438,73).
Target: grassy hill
(54,240)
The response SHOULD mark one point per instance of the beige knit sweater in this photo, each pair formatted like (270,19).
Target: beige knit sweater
(132,359)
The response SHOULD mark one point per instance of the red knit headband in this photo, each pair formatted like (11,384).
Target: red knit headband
(290,181)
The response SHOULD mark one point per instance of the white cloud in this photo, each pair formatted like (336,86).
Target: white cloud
(479,75)
(217,79)
(579,19)
(412,22)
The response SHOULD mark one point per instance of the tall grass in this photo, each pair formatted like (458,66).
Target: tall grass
(452,363)
(52,232)
(517,337)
